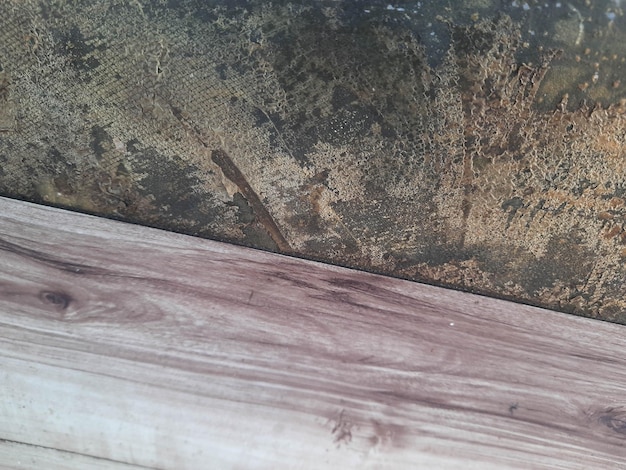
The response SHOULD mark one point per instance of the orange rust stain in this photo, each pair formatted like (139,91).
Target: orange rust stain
(613,232)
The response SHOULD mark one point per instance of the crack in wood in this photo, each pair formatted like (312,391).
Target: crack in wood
(69,453)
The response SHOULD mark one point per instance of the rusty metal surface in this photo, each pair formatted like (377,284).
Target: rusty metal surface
(481,147)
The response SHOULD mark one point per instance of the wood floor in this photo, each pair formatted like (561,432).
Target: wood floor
(124,347)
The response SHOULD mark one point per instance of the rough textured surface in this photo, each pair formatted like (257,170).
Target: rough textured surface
(474,148)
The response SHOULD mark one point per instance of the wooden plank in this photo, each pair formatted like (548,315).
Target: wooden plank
(164,351)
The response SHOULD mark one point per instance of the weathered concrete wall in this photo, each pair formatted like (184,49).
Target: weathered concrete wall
(472,148)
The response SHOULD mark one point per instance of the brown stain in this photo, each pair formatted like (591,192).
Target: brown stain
(613,231)
(232,172)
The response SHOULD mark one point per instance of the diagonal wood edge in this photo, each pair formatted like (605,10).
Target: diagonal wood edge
(159,350)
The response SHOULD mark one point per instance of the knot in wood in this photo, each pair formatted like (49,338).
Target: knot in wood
(57,300)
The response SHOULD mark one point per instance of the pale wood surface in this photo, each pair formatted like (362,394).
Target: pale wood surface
(142,348)
(19,456)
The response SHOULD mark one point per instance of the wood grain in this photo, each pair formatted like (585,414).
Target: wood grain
(145,348)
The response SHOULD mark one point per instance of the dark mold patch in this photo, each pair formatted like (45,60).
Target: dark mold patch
(356,67)
(73,45)
(101,141)
(173,188)
(566,260)
(343,97)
